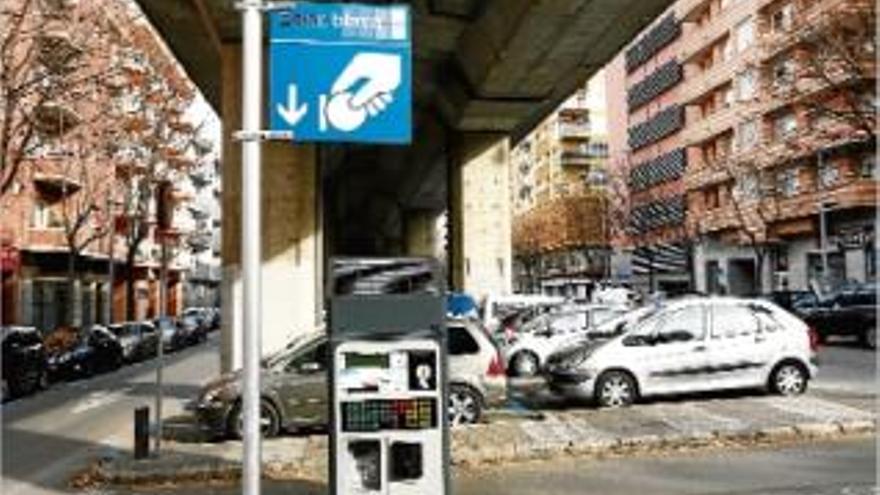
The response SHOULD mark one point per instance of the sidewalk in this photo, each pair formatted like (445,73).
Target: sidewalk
(510,438)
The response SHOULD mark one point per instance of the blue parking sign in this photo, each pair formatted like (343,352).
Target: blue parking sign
(341,72)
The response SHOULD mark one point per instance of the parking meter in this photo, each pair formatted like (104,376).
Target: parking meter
(389,430)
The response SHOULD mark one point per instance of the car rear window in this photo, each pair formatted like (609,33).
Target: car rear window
(460,342)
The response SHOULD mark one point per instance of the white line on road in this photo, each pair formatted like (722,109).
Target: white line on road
(98,399)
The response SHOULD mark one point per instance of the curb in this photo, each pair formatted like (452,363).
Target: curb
(468,452)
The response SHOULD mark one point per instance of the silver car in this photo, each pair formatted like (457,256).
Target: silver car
(691,345)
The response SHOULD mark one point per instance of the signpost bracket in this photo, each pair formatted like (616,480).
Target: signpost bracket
(264,5)
(264,135)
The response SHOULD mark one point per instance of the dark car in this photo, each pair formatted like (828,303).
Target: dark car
(848,311)
(788,299)
(138,339)
(192,329)
(98,350)
(24,361)
(173,336)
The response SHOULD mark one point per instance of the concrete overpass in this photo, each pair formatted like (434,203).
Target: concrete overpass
(485,72)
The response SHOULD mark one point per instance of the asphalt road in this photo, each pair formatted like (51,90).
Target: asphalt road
(48,436)
(835,468)
(844,366)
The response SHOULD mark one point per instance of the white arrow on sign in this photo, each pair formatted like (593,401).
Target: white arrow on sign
(292,113)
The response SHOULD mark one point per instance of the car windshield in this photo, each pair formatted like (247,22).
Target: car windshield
(625,322)
(294,345)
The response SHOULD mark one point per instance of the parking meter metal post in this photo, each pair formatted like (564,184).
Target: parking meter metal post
(388,389)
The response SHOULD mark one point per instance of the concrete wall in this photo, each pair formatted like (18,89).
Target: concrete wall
(481,214)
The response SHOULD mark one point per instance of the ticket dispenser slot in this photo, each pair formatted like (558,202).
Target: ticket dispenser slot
(389,432)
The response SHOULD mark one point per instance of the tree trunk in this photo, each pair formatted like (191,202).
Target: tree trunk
(70,313)
(129,285)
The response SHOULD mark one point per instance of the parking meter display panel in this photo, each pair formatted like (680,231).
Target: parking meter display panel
(389,419)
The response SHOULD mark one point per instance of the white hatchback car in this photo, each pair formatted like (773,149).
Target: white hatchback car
(526,350)
(691,345)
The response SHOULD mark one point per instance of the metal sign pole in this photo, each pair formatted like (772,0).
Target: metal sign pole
(160,360)
(251,243)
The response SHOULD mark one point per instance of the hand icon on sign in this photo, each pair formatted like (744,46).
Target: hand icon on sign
(364,88)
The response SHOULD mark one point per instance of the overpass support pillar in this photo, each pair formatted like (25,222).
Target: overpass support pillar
(480,222)
(292,237)
(420,233)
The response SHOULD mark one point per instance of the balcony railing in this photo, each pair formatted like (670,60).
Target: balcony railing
(662,34)
(701,83)
(701,128)
(574,131)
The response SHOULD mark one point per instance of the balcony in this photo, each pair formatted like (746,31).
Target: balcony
(660,126)
(662,34)
(584,155)
(857,194)
(55,119)
(701,128)
(773,43)
(698,84)
(574,131)
(56,50)
(699,38)
(55,185)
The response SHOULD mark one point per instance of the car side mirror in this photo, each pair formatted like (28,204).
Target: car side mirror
(309,368)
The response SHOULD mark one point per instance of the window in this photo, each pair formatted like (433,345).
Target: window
(731,320)
(746,135)
(313,354)
(788,182)
(783,73)
(746,85)
(43,216)
(745,34)
(728,49)
(785,125)
(746,187)
(868,167)
(782,20)
(828,175)
(712,200)
(460,342)
(684,325)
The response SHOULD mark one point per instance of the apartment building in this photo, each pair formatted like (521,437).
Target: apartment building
(780,133)
(558,179)
(109,130)
(651,244)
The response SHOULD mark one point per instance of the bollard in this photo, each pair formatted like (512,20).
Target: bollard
(141,432)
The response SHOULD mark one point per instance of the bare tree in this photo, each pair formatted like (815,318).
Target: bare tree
(49,52)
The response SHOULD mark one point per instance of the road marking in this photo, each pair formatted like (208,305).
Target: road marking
(818,409)
(98,399)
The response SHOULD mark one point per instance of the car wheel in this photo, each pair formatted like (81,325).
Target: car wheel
(788,379)
(869,338)
(526,364)
(43,380)
(465,405)
(616,389)
(270,422)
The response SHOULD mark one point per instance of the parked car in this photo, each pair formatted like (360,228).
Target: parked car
(23,361)
(691,345)
(497,308)
(526,349)
(173,337)
(191,329)
(848,311)
(138,339)
(791,299)
(294,384)
(97,350)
